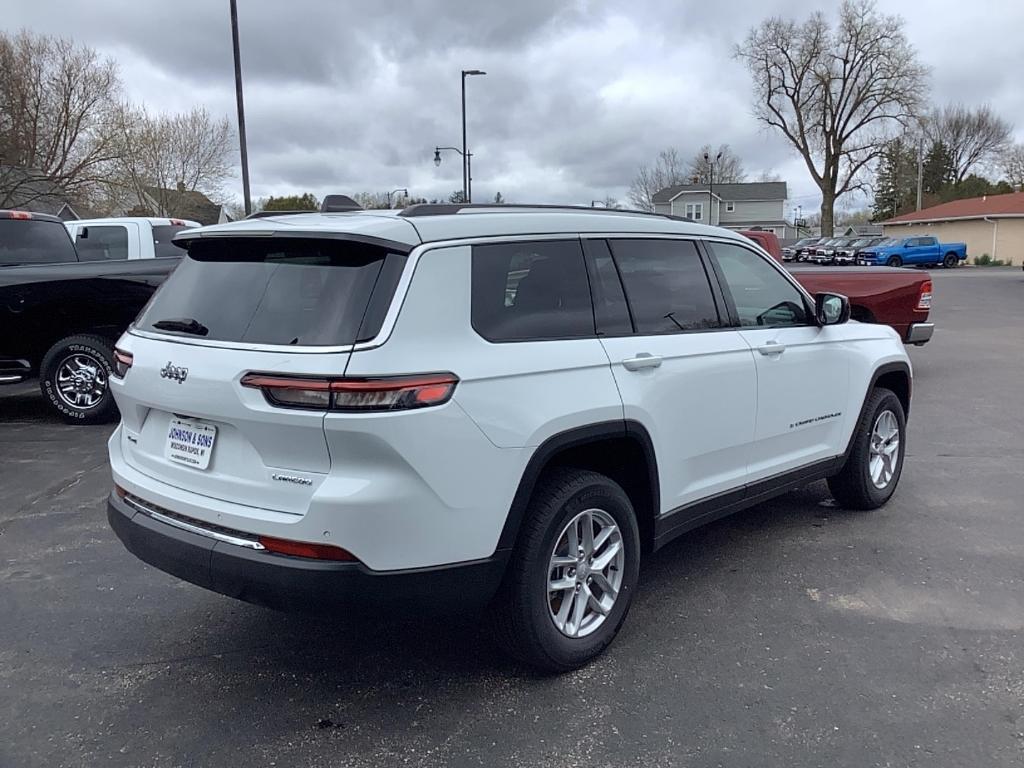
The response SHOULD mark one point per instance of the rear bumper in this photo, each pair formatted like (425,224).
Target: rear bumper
(920,333)
(297,583)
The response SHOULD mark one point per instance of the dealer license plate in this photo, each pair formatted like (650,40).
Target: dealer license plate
(190,442)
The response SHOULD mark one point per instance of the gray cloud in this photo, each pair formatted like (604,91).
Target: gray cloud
(345,97)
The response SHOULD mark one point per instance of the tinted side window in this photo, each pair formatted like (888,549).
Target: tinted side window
(666,285)
(531,290)
(610,309)
(762,296)
(162,236)
(103,243)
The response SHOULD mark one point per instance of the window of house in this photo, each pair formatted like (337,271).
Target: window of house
(531,291)
(763,297)
(730,206)
(694,211)
(666,286)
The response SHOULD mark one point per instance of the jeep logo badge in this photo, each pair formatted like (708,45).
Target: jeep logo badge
(174,373)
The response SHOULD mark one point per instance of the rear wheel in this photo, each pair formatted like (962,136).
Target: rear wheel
(75,379)
(894,261)
(950,261)
(572,576)
(873,468)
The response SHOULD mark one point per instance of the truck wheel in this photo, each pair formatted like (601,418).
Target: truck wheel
(951,261)
(894,261)
(572,576)
(75,379)
(872,470)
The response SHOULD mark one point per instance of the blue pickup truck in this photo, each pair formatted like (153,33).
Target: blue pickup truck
(913,251)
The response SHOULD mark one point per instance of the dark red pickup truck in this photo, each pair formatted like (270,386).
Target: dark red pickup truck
(901,298)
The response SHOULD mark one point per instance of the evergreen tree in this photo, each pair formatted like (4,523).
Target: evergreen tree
(895,180)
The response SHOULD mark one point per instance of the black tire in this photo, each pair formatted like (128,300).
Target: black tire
(951,261)
(853,487)
(97,351)
(520,615)
(894,261)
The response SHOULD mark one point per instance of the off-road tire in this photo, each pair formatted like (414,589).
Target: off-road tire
(97,348)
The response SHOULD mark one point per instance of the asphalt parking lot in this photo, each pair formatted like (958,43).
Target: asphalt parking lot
(794,634)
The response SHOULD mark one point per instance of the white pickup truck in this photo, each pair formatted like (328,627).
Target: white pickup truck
(128,237)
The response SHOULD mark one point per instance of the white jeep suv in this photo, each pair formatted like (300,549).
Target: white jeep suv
(494,406)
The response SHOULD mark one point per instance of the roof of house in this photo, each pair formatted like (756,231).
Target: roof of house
(751,190)
(192,205)
(1010,204)
(31,190)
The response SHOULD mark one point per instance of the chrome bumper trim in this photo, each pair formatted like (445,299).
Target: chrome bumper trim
(145,509)
(920,333)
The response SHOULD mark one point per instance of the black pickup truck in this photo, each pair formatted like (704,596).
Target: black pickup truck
(60,315)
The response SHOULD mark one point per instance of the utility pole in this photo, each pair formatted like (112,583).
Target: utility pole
(920,169)
(241,108)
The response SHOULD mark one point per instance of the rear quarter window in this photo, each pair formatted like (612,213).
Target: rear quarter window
(531,291)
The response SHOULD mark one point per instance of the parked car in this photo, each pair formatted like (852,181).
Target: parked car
(847,255)
(893,297)
(60,313)
(418,409)
(899,298)
(767,240)
(800,249)
(129,237)
(824,253)
(913,251)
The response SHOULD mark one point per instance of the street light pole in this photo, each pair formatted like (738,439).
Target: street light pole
(467,194)
(241,108)
(403,190)
(711,182)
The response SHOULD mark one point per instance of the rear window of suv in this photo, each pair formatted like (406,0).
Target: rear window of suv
(288,291)
(28,241)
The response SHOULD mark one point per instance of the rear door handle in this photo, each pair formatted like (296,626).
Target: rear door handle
(772,348)
(642,360)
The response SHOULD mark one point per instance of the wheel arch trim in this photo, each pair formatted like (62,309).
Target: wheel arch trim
(569,439)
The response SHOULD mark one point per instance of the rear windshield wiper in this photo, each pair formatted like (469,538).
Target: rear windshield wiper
(183,325)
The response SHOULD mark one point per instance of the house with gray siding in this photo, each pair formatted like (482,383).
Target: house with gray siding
(747,205)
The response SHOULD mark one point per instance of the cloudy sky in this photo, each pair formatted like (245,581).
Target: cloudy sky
(346,96)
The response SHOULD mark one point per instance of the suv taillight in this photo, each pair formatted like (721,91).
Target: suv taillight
(122,362)
(384,393)
(924,301)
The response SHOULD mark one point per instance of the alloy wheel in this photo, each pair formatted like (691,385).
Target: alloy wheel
(585,573)
(81,381)
(885,449)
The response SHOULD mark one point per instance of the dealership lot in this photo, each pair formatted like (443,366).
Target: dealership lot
(792,634)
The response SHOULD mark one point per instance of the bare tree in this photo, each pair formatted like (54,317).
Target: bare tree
(971,136)
(667,170)
(167,155)
(1013,166)
(768,175)
(836,95)
(726,165)
(58,101)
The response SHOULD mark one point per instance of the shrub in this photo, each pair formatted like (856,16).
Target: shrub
(983,261)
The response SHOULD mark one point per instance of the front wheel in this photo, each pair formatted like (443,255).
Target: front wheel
(951,261)
(74,377)
(894,261)
(873,468)
(572,576)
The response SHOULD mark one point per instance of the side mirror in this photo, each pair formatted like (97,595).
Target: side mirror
(831,308)
(83,234)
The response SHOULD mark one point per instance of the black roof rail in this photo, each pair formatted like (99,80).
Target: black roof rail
(443,209)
